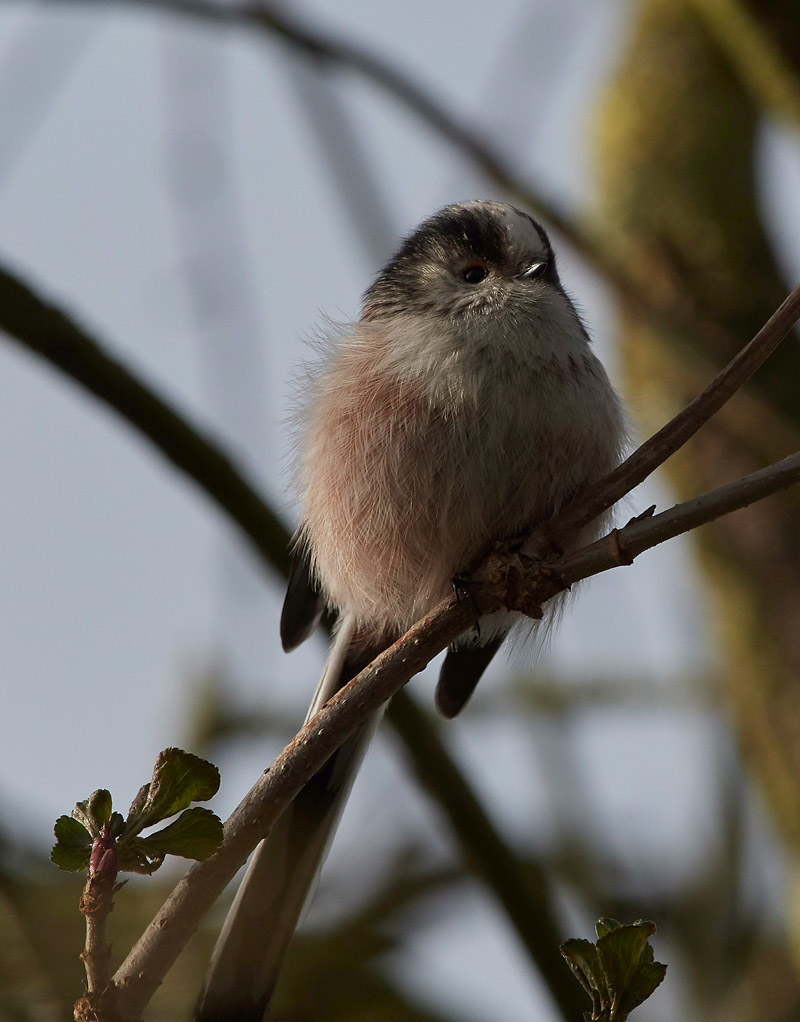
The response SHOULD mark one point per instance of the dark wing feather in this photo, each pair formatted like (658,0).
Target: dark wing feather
(461,671)
(302,606)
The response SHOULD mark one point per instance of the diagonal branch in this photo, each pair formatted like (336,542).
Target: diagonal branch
(670,438)
(51,334)
(533,582)
(147,964)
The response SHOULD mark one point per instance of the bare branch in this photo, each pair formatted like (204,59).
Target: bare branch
(159,946)
(51,334)
(97,901)
(96,905)
(621,546)
(48,332)
(655,451)
(533,583)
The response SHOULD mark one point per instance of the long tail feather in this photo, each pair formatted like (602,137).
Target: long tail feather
(251,947)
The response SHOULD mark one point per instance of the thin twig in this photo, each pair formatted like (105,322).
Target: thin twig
(96,904)
(97,901)
(655,451)
(153,955)
(623,545)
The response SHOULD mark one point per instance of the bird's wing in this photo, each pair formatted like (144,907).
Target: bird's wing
(303,604)
(461,671)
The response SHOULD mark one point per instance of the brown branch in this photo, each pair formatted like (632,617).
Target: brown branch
(621,546)
(153,955)
(51,334)
(96,904)
(533,583)
(655,451)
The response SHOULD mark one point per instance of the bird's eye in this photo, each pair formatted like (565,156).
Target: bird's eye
(474,273)
(535,270)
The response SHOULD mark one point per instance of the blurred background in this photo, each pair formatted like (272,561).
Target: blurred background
(201,185)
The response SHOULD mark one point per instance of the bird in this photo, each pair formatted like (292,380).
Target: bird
(465,406)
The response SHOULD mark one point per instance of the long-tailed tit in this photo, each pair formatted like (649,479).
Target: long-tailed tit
(464,406)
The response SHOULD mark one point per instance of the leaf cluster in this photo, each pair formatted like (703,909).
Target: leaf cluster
(618,972)
(96,838)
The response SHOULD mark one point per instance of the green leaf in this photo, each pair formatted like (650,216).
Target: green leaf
(582,958)
(620,953)
(116,825)
(73,845)
(618,972)
(100,808)
(196,834)
(83,816)
(138,804)
(645,981)
(94,812)
(133,858)
(606,925)
(179,778)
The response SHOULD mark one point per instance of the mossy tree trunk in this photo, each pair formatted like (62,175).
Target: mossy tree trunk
(678,203)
